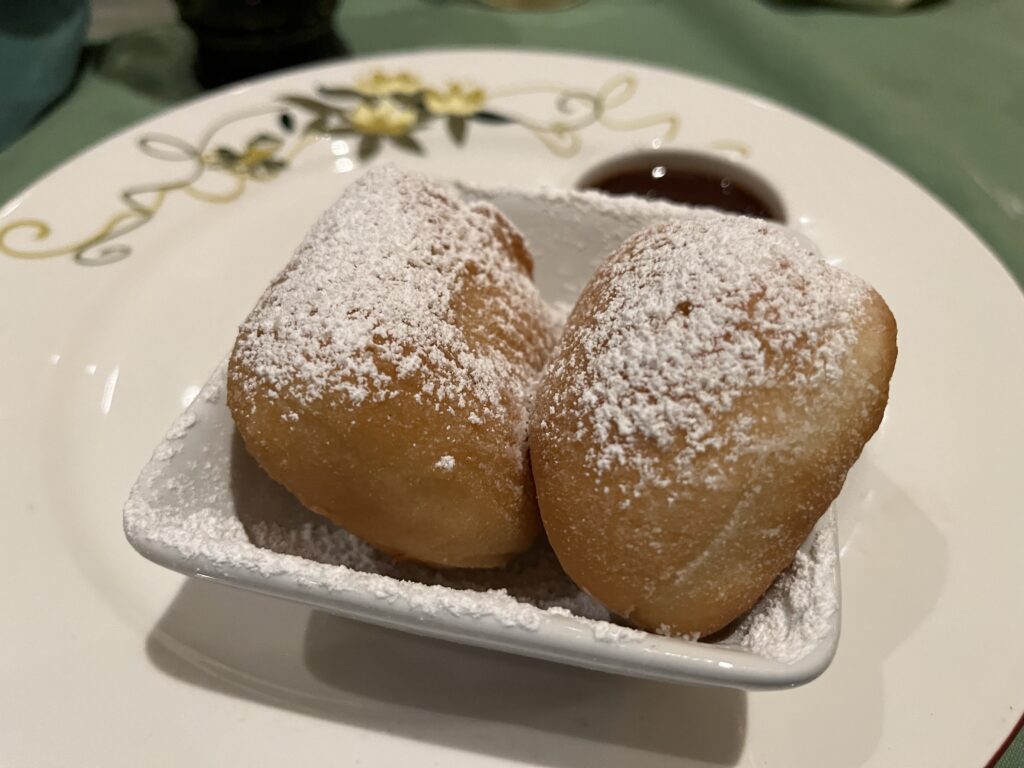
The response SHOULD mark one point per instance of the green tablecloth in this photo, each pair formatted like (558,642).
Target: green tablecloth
(938,91)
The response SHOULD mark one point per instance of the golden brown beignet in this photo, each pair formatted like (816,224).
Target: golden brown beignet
(715,382)
(384,376)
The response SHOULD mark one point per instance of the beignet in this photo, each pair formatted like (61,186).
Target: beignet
(715,383)
(384,377)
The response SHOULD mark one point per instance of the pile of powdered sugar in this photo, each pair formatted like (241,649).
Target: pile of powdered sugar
(797,610)
(694,314)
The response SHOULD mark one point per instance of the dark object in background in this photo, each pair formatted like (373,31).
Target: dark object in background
(40,44)
(242,38)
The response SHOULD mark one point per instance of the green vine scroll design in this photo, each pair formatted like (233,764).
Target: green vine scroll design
(381,109)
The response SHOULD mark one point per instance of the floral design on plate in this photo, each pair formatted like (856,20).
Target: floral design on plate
(380,109)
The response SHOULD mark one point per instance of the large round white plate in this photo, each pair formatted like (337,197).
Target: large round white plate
(109,660)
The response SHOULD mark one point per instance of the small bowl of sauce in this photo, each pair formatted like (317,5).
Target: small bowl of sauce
(686,177)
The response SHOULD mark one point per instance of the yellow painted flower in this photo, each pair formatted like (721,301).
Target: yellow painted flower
(457,101)
(257,160)
(256,155)
(380,83)
(383,117)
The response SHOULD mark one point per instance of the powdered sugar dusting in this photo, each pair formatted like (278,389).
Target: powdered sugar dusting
(693,315)
(209,501)
(798,608)
(367,302)
(559,312)
(181,425)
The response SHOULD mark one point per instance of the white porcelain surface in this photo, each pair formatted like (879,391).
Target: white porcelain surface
(139,666)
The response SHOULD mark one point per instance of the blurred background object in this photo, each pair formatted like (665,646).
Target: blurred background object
(531,5)
(39,47)
(117,17)
(236,39)
(876,5)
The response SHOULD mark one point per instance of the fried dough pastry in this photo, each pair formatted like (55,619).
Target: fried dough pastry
(714,385)
(384,377)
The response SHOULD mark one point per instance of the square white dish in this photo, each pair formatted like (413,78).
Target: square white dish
(202,507)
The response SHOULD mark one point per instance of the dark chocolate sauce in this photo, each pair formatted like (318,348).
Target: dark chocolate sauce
(685,185)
